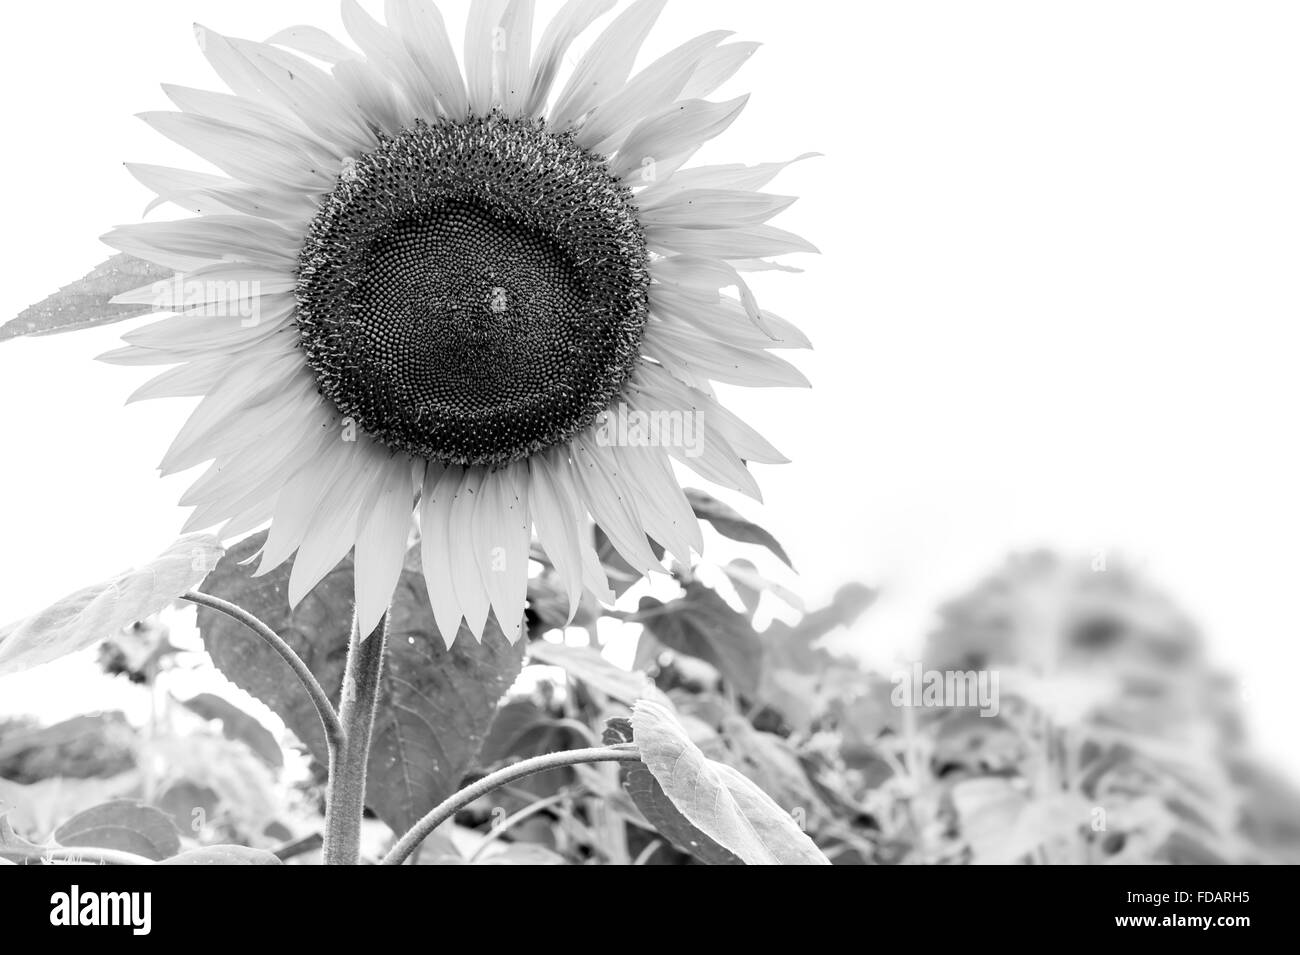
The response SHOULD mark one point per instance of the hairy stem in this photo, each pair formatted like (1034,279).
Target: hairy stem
(457,801)
(345,797)
(328,717)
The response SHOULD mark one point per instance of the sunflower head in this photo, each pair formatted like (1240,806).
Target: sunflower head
(456,274)
(474,291)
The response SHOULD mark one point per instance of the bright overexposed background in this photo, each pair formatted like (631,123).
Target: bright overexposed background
(1057,300)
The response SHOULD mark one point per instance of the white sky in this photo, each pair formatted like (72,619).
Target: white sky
(1057,301)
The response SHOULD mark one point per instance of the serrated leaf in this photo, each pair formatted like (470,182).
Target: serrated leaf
(435,704)
(87,302)
(237,725)
(716,799)
(224,855)
(99,611)
(729,523)
(701,624)
(125,825)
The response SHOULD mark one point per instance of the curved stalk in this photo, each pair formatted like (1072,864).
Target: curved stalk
(328,717)
(457,801)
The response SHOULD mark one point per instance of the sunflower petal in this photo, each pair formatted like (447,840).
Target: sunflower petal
(741,242)
(683,347)
(683,128)
(482,36)
(436,554)
(558,522)
(609,498)
(660,500)
(649,92)
(313,41)
(574,17)
(420,28)
(333,527)
(501,544)
(605,67)
(512,61)
(712,208)
(462,539)
(382,536)
(717,67)
(728,176)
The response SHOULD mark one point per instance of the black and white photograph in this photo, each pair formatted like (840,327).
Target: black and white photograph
(651,433)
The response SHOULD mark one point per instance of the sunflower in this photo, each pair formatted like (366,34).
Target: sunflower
(484,300)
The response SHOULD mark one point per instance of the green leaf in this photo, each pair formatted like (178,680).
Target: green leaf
(93,613)
(668,821)
(716,799)
(435,704)
(189,804)
(125,825)
(87,302)
(224,855)
(237,725)
(771,762)
(521,730)
(701,624)
(729,523)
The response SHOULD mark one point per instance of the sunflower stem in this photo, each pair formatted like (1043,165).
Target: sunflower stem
(626,753)
(345,795)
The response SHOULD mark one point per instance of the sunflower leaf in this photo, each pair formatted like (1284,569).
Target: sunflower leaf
(101,610)
(701,624)
(668,821)
(125,825)
(87,302)
(435,704)
(729,523)
(720,802)
(224,855)
(237,725)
